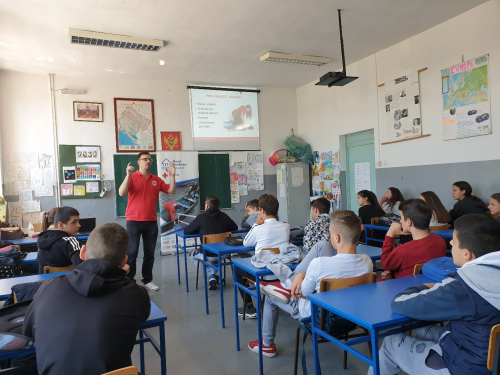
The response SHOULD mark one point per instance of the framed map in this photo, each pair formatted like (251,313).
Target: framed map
(135,125)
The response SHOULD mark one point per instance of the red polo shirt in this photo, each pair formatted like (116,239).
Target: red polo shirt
(143,193)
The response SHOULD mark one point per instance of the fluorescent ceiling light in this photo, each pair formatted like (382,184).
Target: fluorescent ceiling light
(288,58)
(92,38)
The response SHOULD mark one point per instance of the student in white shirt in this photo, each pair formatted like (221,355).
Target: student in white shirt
(345,229)
(266,232)
(439,214)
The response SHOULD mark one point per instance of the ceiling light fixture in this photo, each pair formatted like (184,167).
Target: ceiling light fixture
(288,58)
(337,78)
(93,38)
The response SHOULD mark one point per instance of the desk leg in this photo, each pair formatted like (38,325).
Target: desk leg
(205,275)
(186,265)
(141,349)
(236,310)
(221,290)
(178,266)
(317,369)
(375,360)
(259,324)
(366,235)
(163,350)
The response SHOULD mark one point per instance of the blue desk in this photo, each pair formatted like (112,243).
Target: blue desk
(220,249)
(156,319)
(368,306)
(30,258)
(373,252)
(448,233)
(376,227)
(246,265)
(33,241)
(180,234)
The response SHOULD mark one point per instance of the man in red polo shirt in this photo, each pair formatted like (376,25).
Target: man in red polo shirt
(143,191)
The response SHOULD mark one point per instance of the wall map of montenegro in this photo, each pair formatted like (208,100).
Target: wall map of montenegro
(135,125)
(466,99)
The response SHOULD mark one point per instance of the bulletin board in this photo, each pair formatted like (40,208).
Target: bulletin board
(68,158)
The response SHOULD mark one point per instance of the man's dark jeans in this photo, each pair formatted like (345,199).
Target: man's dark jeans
(149,232)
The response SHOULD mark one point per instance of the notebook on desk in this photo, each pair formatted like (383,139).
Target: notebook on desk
(87,225)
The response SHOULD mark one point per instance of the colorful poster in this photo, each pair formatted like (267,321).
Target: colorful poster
(87,154)
(402,108)
(79,190)
(135,125)
(46,161)
(171,141)
(325,175)
(88,172)
(66,190)
(255,171)
(92,187)
(466,99)
(69,174)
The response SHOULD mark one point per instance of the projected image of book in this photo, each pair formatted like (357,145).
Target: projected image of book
(224,120)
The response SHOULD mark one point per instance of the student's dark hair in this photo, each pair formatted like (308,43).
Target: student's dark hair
(254,203)
(418,211)
(49,218)
(108,242)
(347,224)
(464,185)
(64,214)
(322,204)
(479,234)
(269,204)
(141,154)
(439,211)
(396,197)
(212,201)
(370,195)
(249,111)
(496,197)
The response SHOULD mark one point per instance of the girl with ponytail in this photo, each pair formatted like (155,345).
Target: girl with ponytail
(467,203)
(369,208)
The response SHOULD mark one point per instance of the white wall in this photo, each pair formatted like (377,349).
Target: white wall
(25,115)
(326,113)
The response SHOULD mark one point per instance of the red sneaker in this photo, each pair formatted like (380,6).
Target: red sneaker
(267,350)
(275,290)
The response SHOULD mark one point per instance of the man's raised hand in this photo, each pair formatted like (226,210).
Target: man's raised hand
(129,170)
(171,170)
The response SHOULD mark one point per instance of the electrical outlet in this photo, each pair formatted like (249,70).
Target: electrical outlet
(379,163)
(385,162)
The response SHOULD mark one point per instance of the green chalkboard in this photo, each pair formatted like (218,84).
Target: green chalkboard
(214,178)
(120,163)
(67,158)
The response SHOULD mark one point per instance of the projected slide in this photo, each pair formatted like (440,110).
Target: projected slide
(224,120)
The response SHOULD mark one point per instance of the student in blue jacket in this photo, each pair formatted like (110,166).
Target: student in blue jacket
(469,299)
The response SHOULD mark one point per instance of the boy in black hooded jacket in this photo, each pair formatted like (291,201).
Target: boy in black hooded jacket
(59,248)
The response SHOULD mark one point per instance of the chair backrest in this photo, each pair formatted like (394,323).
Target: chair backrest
(417,270)
(440,227)
(374,220)
(275,250)
(215,238)
(494,348)
(493,216)
(50,269)
(131,370)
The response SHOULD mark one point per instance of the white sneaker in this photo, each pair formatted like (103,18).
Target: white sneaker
(151,286)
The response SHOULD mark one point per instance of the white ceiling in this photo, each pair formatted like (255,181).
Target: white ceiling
(209,41)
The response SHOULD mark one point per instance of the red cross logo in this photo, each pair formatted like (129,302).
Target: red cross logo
(164,175)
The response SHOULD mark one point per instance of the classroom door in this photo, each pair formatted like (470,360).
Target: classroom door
(360,148)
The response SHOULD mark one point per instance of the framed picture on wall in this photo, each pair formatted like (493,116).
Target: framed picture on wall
(84,111)
(171,141)
(135,125)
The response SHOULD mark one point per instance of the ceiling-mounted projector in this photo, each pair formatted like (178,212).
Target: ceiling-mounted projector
(337,78)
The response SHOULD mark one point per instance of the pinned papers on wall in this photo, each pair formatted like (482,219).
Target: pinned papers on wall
(12,188)
(87,172)
(46,161)
(36,177)
(297,177)
(44,191)
(255,171)
(362,176)
(66,190)
(282,191)
(15,213)
(31,206)
(26,195)
(235,196)
(32,160)
(79,190)
(326,175)
(92,187)
(49,177)
(87,154)
(69,174)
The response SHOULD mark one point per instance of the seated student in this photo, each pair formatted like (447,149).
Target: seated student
(391,200)
(400,261)
(59,247)
(469,299)
(266,232)
(369,209)
(48,219)
(495,205)
(467,203)
(252,213)
(439,214)
(317,229)
(86,321)
(345,229)
(212,221)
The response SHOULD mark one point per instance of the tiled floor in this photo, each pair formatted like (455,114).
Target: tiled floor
(197,344)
